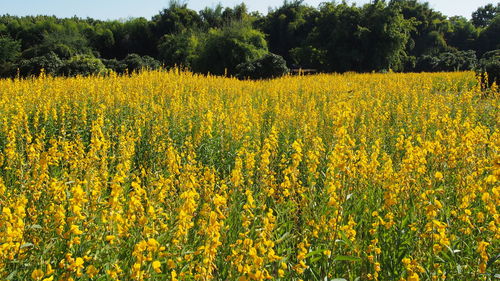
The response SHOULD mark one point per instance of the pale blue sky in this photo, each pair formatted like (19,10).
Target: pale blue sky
(120,9)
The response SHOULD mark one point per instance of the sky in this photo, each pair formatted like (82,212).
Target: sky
(122,9)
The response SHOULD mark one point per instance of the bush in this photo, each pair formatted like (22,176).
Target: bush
(269,66)
(135,62)
(178,49)
(115,65)
(84,65)
(50,62)
(222,50)
(490,64)
(448,61)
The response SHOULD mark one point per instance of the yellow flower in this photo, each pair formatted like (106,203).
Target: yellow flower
(157,266)
(92,271)
(413,277)
(78,262)
(438,175)
(37,274)
(110,238)
(49,270)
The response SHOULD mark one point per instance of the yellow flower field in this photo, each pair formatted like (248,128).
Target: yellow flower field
(175,176)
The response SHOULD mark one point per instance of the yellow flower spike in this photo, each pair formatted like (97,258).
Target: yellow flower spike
(296,160)
(173,275)
(50,271)
(37,274)
(79,262)
(438,176)
(110,238)
(92,271)
(156,266)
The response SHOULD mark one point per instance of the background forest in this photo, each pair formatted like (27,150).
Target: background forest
(397,35)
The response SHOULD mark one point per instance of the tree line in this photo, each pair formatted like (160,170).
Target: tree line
(397,35)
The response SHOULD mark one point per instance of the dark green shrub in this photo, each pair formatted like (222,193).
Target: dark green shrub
(50,62)
(269,66)
(115,65)
(135,62)
(490,64)
(222,50)
(82,65)
(448,61)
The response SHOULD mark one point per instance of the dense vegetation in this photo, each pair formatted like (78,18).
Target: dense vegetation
(168,175)
(398,35)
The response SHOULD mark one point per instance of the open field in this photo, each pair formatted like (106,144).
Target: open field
(174,176)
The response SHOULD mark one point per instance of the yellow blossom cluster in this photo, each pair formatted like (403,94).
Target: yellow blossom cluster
(170,175)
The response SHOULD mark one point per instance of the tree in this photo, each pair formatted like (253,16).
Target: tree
(175,19)
(138,37)
(179,49)
(386,37)
(489,38)
(351,38)
(238,13)
(428,35)
(223,49)
(65,41)
(484,15)
(288,27)
(115,65)
(462,34)
(212,17)
(102,40)
(308,56)
(9,52)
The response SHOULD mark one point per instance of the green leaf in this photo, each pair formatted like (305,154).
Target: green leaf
(11,275)
(320,251)
(347,258)
(282,238)
(26,245)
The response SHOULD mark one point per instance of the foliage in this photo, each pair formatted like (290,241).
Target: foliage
(223,49)
(82,65)
(266,67)
(50,63)
(462,35)
(397,35)
(9,52)
(288,26)
(490,65)
(488,39)
(484,15)
(308,57)
(115,65)
(134,62)
(179,49)
(449,61)
(175,19)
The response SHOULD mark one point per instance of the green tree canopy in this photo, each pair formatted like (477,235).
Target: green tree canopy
(223,49)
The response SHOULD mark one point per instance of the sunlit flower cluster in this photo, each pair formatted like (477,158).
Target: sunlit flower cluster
(168,175)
